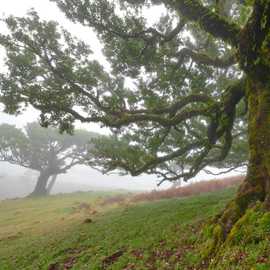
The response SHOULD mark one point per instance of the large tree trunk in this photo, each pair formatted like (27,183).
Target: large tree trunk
(256,186)
(257,183)
(51,184)
(41,186)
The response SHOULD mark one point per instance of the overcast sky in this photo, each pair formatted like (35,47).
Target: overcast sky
(49,11)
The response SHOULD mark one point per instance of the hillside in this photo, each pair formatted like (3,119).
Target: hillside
(97,231)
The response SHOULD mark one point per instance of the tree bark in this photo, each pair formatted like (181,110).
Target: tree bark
(41,186)
(51,184)
(256,186)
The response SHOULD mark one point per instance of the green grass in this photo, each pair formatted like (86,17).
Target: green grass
(50,233)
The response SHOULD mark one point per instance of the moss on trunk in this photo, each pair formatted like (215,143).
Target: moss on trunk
(256,186)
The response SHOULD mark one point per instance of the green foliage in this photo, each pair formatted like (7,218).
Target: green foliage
(10,136)
(184,107)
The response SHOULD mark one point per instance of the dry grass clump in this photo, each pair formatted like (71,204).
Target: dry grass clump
(190,190)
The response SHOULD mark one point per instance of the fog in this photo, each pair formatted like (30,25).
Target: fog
(16,181)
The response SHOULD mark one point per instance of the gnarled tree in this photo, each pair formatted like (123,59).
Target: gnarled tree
(43,150)
(200,80)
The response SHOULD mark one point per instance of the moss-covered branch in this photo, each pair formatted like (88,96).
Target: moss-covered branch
(211,22)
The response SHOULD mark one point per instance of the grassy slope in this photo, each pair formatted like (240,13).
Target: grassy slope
(50,234)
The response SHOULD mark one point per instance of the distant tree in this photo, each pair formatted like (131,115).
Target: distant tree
(43,150)
(201,86)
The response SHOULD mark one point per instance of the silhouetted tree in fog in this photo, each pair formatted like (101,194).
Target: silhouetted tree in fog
(44,150)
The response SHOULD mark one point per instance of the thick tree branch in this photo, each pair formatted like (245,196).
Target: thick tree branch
(201,58)
(155,161)
(254,44)
(124,119)
(209,21)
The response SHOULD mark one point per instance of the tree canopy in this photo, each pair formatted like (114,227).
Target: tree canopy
(185,108)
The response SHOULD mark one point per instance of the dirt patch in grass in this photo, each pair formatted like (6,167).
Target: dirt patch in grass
(108,261)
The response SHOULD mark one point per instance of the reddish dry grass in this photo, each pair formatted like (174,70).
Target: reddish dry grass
(190,190)
(118,199)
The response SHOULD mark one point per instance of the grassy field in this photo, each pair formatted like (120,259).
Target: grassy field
(80,231)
